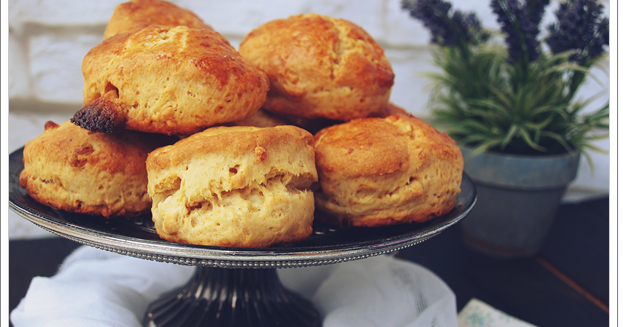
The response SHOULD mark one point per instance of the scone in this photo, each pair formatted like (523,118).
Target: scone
(314,125)
(137,14)
(235,186)
(392,109)
(168,80)
(72,169)
(262,118)
(320,67)
(386,171)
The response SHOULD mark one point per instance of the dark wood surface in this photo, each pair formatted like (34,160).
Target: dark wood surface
(566,284)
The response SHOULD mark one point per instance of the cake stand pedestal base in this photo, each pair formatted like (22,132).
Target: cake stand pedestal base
(232,297)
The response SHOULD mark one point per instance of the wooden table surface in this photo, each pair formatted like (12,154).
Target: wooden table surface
(566,284)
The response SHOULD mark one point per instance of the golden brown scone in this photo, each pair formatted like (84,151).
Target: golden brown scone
(72,169)
(236,186)
(392,109)
(262,118)
(386,171)
(320,66)
(312,125)
(168,80)
(137,14)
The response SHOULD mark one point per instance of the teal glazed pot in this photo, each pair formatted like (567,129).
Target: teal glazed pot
(518,197)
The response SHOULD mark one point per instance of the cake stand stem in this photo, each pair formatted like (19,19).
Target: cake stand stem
(232,297)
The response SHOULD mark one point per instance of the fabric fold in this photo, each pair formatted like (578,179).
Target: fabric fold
(95,288)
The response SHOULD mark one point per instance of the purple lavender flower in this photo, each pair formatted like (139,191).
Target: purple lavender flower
(520,23)
(579,27)
(604,31)
(535,10)
(446,29)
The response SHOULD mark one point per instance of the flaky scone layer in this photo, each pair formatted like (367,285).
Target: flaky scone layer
(234,186)
(72,169)
(386,171)
(320,67)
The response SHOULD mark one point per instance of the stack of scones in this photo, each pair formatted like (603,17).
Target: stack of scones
(241,148)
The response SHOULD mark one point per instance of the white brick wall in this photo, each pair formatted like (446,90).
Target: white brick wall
(49,38)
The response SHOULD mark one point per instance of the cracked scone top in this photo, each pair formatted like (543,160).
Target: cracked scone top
(72,169)
(234,186)
(320,66)
(386,171)
(168,80)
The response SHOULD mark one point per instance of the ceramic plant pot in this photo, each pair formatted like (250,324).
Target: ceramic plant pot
(518,197)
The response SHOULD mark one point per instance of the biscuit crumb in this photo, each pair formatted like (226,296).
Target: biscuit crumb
(260,152)
(49,125)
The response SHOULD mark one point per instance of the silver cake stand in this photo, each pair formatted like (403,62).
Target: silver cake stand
(222,292)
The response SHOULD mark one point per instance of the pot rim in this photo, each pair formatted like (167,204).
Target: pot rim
(572,154)
(520,171)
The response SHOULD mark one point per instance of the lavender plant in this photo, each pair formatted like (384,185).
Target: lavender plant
(516,96)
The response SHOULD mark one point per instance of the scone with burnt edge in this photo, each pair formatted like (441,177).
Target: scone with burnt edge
(72,169)
(137,14)
(168,80)
(320,67)
(237,186)
(386,171)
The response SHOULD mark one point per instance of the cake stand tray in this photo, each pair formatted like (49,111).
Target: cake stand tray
(216,288)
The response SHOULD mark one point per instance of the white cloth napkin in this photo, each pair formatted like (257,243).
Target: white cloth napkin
(95,288)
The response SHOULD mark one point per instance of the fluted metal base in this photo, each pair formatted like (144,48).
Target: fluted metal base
(232,297)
